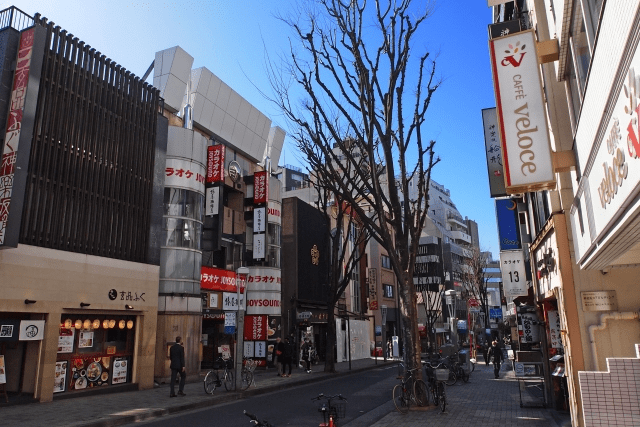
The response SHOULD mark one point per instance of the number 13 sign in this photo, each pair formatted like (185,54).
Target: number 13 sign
(513,269)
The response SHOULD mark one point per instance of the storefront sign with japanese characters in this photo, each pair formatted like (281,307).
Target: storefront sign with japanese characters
(259,220)
(212,201)
(184,173)
(264,279)
(255,327)
(513,269)
(260,187)
(217,279)
(215,163)
(31,330)
(264,303)
(554,329)
(259,246)
(599,301)
(65,340)
(494,153)
(229,301)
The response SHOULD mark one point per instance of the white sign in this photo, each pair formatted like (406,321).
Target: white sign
(530,331)
(493,149)
(259,220)
(213,299)
(513,269)
(599,301)
(60,380)
(229,301)
(264,279)
(185,174)
(259,245)
(31,330)
(120,366)
(85,339)
(526,152)
(274,213)
(230,318)
(65,340)
(554,329)
(248,349)
(212,201)
(264,303)
(260,349)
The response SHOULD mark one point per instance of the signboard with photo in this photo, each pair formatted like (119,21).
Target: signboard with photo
(120,369)
(85,339)
(3,374)
(60,379)
(65,340)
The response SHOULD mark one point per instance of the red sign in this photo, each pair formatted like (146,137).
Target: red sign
(373,305)
(14,126)
(255,328)
(217,279)
(260,187)
(473,302)
(215,163)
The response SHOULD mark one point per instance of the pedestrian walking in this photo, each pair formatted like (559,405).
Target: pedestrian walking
(278,355)
(287,357)
(389,349)
(496,356)
(306,350)
(176,355)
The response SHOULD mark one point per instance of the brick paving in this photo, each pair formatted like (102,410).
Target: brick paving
(482,401)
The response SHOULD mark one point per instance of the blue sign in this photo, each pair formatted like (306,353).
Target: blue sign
(495,313)
(378,331)
(229,330)
(508,228)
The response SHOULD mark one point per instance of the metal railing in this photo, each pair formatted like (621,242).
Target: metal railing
(15,18)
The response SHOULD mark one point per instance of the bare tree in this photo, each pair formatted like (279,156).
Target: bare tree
(365,99)
(474,280)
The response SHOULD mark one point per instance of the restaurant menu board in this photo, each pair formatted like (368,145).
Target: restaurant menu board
(89,373)
(60,380)
(65,340)
(3,374)
(86,339)
(119,373)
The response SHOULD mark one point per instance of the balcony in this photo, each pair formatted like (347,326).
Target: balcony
(460,236)
(456,219)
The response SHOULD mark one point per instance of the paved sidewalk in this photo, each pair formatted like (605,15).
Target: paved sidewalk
(483,401)
(116,409)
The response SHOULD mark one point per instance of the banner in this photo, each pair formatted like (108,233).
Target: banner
(217,279)
(260,187)
(31,330)
(508,226)
(212,201)
(255,327)
(264,303)
(215,163)
(522,119)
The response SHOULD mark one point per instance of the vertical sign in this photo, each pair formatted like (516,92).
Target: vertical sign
(514,272)
(212,201)
(494,153)
(259,246)
(14,126)
(526,152)
(249,347)
(229,322)
(259,220)
(508,227)
(554,328)
(215,163)
(260,187)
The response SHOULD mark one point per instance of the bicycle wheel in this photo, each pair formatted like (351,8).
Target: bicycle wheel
(228,381)
(400,399)
(464,375)
(443,397)
(247,379)
(420,393)
(473,366)
(452,378)
(434,392)
(210,382)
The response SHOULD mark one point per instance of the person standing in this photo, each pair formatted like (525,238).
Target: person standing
(176,354)
(287,357)
(389,348)
(278,355)
(495,353)
(306,349)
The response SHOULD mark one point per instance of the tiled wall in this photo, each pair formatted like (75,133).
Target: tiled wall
(612,398)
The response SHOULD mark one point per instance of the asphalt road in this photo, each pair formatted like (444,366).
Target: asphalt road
(368,394)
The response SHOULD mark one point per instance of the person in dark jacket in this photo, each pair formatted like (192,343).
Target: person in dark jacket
(278,352)
(287,357)
(495,352)
(176,354)
(306,356)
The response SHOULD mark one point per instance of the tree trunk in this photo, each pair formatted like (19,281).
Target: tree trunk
(329,357)
(409,315)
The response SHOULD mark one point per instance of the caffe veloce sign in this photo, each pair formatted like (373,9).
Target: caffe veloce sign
(526,152)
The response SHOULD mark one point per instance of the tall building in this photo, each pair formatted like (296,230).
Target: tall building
(83,164)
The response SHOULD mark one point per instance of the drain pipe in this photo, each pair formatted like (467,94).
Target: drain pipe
(615,315)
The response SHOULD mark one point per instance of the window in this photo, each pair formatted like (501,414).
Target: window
(388,291)
(578,60)
(385,261)
(273,243)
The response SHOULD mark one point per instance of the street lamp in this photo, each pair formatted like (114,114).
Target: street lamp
(242,273)
(450,298)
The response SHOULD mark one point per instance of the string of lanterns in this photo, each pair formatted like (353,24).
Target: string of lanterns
(106,324)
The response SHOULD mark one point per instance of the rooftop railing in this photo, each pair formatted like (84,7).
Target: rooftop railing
(15,18)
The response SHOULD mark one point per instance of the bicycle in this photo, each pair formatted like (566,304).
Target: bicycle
(331,411)
(213,380)
(436,376)
(248,367)
(449,363)
(459,369)
(410,391)
(257,422)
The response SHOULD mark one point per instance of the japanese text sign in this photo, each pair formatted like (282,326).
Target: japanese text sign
(259,220)
(260,187)
(494,153)
(526,153)
(217,279)
(514,272)
(554,329)
(255,327)
(215,163)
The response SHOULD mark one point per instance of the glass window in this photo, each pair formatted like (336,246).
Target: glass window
(181,202)
(580,46)
(182,233)
(180,264)
(574,93)
(593,8)
(388,291)
(385,261)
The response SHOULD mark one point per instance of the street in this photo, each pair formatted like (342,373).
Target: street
(365,392)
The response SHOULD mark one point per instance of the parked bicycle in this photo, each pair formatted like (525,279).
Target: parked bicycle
(256,421)
(437,374)
(215,379)
(411,390)
(333,408)
(458,368)
(248,367)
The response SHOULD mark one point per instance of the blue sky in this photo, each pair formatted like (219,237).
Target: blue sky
(230,39)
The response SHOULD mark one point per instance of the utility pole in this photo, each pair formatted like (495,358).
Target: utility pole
(241,274)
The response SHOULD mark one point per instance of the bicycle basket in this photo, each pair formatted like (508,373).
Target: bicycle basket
(340,408)
(442,374)
(228,363)
(218,364)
